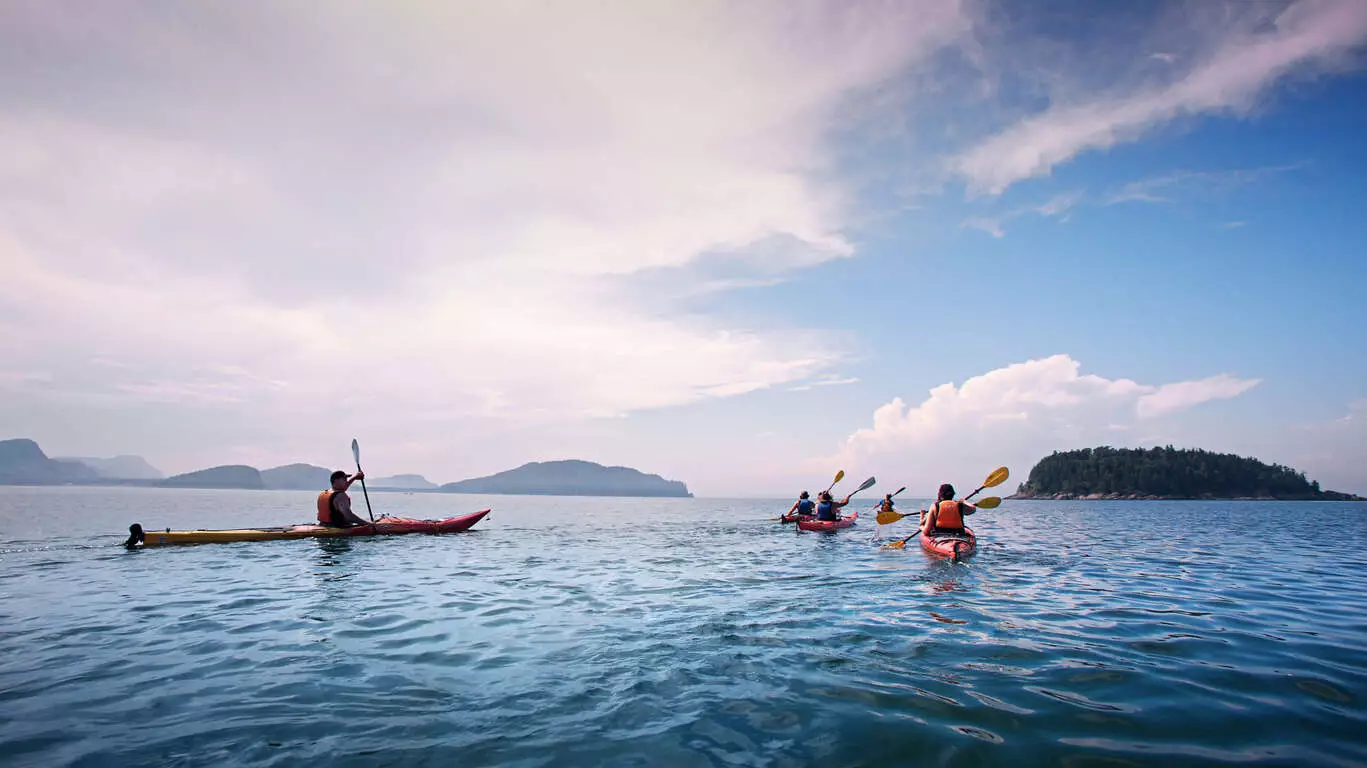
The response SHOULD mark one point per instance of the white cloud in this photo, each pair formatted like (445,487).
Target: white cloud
(1308,36)
(439,213)
(1014,416)
(1170,398)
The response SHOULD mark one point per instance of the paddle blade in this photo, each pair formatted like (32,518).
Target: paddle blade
(888,518)
(838,477)
(899,490)
(895,545)
(997,477)
(864,486)
(991,502)
(356,451)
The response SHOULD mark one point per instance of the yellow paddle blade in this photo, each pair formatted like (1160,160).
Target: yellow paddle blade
(895,545)
(888,518)
(838,477)
(997,477)
(991,502)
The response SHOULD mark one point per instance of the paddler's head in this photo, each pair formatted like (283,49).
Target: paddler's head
(339,480)
(803,496)
(946,492)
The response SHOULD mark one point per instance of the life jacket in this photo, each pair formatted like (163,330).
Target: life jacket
(805,506)
(325,506)
(885,505)
(825,510)
(948,517)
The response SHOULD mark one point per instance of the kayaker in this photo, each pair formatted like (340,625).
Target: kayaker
(827,508)
(803,507)
(886,505)
(946,515)
(334,505)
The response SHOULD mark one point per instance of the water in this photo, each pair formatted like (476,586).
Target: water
(680,632)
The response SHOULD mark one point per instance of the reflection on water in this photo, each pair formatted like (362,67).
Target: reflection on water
(678,632)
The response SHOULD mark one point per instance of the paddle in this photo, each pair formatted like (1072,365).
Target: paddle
(838,477)
(864,486)
(998,476)
(888,518)
(356,453)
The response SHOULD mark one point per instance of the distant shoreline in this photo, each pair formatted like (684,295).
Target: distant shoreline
(1138,497)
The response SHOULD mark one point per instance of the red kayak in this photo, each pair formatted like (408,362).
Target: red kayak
(785,519)
(812,524)
(385,526)
(955,546)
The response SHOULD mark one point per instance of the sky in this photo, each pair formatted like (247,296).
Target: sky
(741,245)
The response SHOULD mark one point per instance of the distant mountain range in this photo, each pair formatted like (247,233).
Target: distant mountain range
(120,467)
(571,478)
(22,462)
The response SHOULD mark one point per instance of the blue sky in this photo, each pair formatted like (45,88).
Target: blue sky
(737,246)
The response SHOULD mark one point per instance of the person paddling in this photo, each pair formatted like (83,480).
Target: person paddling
(946,515)
(334,505)
(886,505)
(827,508)
(803,507)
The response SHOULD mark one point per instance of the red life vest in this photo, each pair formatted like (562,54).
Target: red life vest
(325,506)
(948,517)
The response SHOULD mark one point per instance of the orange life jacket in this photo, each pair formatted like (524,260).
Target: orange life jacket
(325,507)
(948,517)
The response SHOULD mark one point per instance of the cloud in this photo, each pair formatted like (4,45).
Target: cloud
(992,227)
(1307,37)
(1171,398)
(1165,188)
(1056,207)
(1014,415)
(438,214)
(827,381)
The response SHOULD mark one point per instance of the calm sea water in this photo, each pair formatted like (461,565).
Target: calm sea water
(680,632)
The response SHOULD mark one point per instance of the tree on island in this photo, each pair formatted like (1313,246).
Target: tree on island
(1166,473)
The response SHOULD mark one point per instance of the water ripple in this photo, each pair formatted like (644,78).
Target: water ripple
(679,632)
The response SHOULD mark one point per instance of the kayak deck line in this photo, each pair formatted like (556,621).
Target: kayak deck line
(385,526)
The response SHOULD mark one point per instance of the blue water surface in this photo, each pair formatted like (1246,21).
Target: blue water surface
(690,632)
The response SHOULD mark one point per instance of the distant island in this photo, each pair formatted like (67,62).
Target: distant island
(22,462)
(296,477)
(403,483)
(1166,473)
(119,467)
(571,478)
(230,476)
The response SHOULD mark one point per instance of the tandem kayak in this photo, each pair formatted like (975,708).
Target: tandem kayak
(955,546)
(385,526)
(785,519)
(809,524)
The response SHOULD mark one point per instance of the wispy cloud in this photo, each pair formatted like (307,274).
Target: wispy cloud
(1166,188)
(992,227)
(831,381)
(1309,36)
(1058,207)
